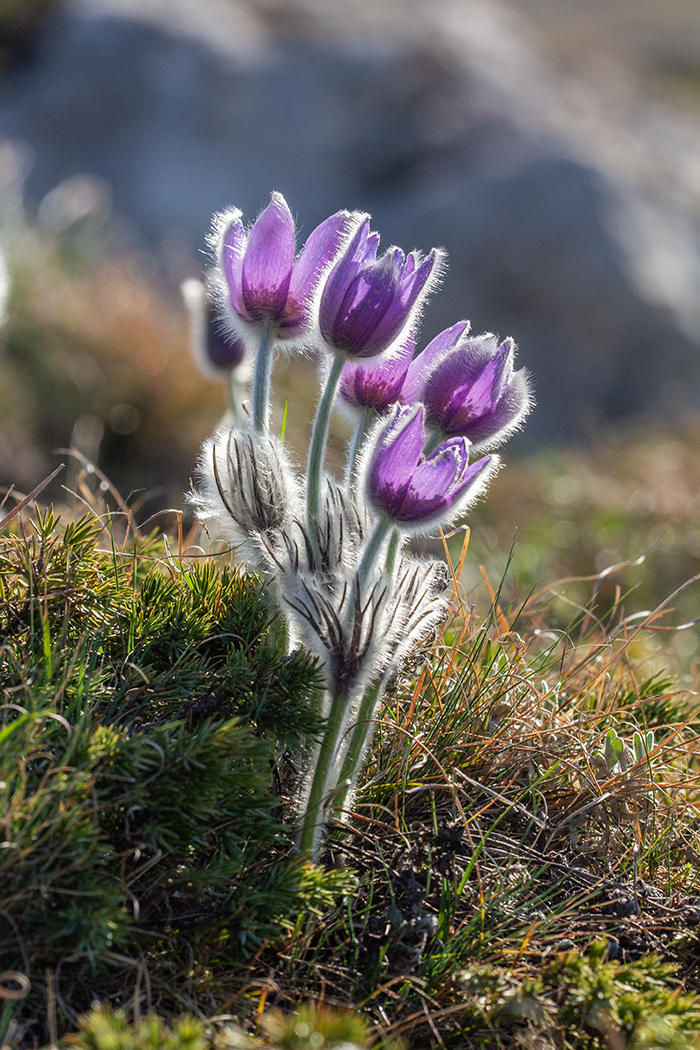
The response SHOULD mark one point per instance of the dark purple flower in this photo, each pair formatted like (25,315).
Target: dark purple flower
(416,490)
(224,349)
(468,386)
(215,347)
(377,383)
(267,287)
(368,305)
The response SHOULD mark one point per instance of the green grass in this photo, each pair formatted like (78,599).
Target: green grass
(519,867)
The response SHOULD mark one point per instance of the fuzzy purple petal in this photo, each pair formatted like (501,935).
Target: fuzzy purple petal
(322,245)
(367,299)
(467,388)
(472,480)
(376,384)
(268,261)
(409,267)
(394,460)
(343,273)
(435,482)
(505,355)
(232,252)
(507,415)
(420,367)
(399,311)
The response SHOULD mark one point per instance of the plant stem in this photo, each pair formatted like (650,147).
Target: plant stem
(358,442)
(372,549)
(314,818)
(261,382)
(319,436)
(360,737)
(392,551)
(234,391)
(434,439)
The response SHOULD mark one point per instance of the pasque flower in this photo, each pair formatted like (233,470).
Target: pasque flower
(469,387)
(376,383)
(367,305)
(417,491)
(332,554)
(266,286)
(216,348)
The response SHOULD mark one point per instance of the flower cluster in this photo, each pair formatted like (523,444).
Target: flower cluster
(334,552)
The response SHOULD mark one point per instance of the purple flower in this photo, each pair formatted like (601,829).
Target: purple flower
(215,347)
(469,388)
(368,305)
(266,287)
(416,490)
(224,349)
(376,384)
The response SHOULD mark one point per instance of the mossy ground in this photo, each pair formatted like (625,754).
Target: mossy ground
(519,869)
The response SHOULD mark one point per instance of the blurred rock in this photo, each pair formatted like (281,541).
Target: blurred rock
(568,208)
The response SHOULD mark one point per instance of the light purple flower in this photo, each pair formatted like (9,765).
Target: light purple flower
(368,305)
(415,490)
(266,286)
(377,383)
(469,388)
(420,367)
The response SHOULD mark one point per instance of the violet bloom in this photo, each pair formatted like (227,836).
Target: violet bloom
(266,287)
(215,347)
(415,491)
(224,349)
(376,384)
(368,306)
(469,389)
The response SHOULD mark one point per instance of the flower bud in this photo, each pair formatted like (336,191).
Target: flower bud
(249,487)
(376,383)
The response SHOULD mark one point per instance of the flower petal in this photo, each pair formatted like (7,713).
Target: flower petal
(366,301)
(268,261)
(433,482)
(377,383)
(401,309)
(394,458)
(508,415)
(361,250)
(421,365)
(473,391)
(233,249)
(322,245)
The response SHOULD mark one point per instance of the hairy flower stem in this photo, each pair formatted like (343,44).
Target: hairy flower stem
(314,817)
(361,734)
(235,390)
(372,549)
(392,551)
(319,437)
(261,382)
(434,439)
(358,442)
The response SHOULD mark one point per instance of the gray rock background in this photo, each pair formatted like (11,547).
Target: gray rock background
(566,194)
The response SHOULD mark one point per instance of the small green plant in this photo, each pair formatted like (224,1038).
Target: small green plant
(106,1029)
(146,706)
